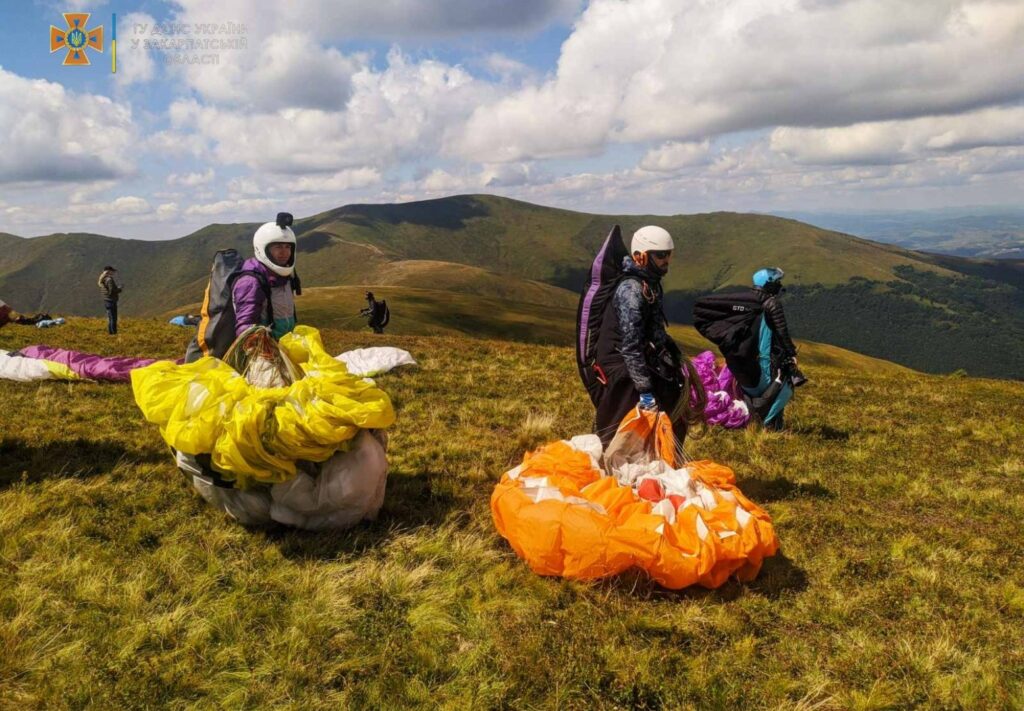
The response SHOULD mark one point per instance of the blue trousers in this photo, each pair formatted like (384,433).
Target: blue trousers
(111,307)
(764,359)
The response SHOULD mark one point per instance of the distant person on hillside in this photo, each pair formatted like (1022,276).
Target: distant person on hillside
(7,314)
(769,382)
(377,313)
(111,291)
(638,362)
(265,292)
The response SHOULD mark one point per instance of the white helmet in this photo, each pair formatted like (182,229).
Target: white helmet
(265,236)
(649,238)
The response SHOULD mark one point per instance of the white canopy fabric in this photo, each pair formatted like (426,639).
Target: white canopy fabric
(368,362)
(23,370)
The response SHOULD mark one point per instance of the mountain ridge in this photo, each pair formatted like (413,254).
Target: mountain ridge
(505,249)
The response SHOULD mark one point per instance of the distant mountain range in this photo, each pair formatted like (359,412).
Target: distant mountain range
(985,233)
(930,312)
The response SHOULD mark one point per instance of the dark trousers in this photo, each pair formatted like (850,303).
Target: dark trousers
(619,396)
(111,307)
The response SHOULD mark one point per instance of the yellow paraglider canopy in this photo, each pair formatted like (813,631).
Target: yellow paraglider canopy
(255,435)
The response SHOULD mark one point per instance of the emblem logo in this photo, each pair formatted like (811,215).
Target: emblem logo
(76,39)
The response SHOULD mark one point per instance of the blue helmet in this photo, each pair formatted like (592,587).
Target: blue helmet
(763,277)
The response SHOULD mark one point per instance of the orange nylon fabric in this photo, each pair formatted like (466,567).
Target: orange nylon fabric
(565,517)
(643,434)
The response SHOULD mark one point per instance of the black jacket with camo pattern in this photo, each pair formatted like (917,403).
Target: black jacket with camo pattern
(634,320)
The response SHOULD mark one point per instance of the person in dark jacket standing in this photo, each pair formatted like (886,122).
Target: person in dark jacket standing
(777,359)
(376,313)
(111,292)
(637,362)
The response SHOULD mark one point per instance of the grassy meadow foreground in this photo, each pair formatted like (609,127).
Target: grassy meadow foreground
(897,498)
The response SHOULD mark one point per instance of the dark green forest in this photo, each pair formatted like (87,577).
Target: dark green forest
(923,320)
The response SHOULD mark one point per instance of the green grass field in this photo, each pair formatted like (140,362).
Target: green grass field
(897,498)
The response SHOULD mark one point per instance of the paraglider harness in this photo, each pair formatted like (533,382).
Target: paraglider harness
(666,363)
(216,328)
(728,320)
(377,313)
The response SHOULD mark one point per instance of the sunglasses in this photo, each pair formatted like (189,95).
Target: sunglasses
(660,253)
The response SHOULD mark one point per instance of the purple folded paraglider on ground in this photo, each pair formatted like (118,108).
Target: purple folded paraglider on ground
(86,365)
(724,408)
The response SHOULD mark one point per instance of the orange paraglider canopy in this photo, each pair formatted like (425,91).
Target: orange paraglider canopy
(573,510)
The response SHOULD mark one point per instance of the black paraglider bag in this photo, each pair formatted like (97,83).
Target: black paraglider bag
(728,320)
(604,276)
(380,315)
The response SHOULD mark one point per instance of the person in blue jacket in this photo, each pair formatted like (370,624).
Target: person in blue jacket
(776,353)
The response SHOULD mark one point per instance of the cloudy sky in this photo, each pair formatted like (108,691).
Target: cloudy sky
(233,110)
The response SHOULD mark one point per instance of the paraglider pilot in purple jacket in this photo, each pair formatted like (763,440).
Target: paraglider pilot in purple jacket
(274,247)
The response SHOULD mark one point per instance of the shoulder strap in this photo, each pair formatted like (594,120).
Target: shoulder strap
(264,286)
(643,284)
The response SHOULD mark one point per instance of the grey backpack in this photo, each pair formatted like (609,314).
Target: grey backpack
(216,330)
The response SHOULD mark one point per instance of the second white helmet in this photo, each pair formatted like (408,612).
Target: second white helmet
(650,238)
(266,235)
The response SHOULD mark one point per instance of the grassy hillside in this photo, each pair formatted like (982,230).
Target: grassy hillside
(422,312)
(500,249)
(429,312)
(347,245)
(464,279)
(896,497)
(549,244)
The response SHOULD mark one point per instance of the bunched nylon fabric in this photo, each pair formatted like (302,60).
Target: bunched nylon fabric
(565,517)
(255,435)
(724,407)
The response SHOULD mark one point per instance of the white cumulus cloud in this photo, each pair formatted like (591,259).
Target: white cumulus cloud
(54,135)
(402,112)
(285,70)
(666,70)
(882,142)
(675,155)
(135,62)
(191,180)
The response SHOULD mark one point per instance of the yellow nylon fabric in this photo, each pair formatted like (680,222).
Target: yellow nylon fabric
(256,435)
(61,371)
